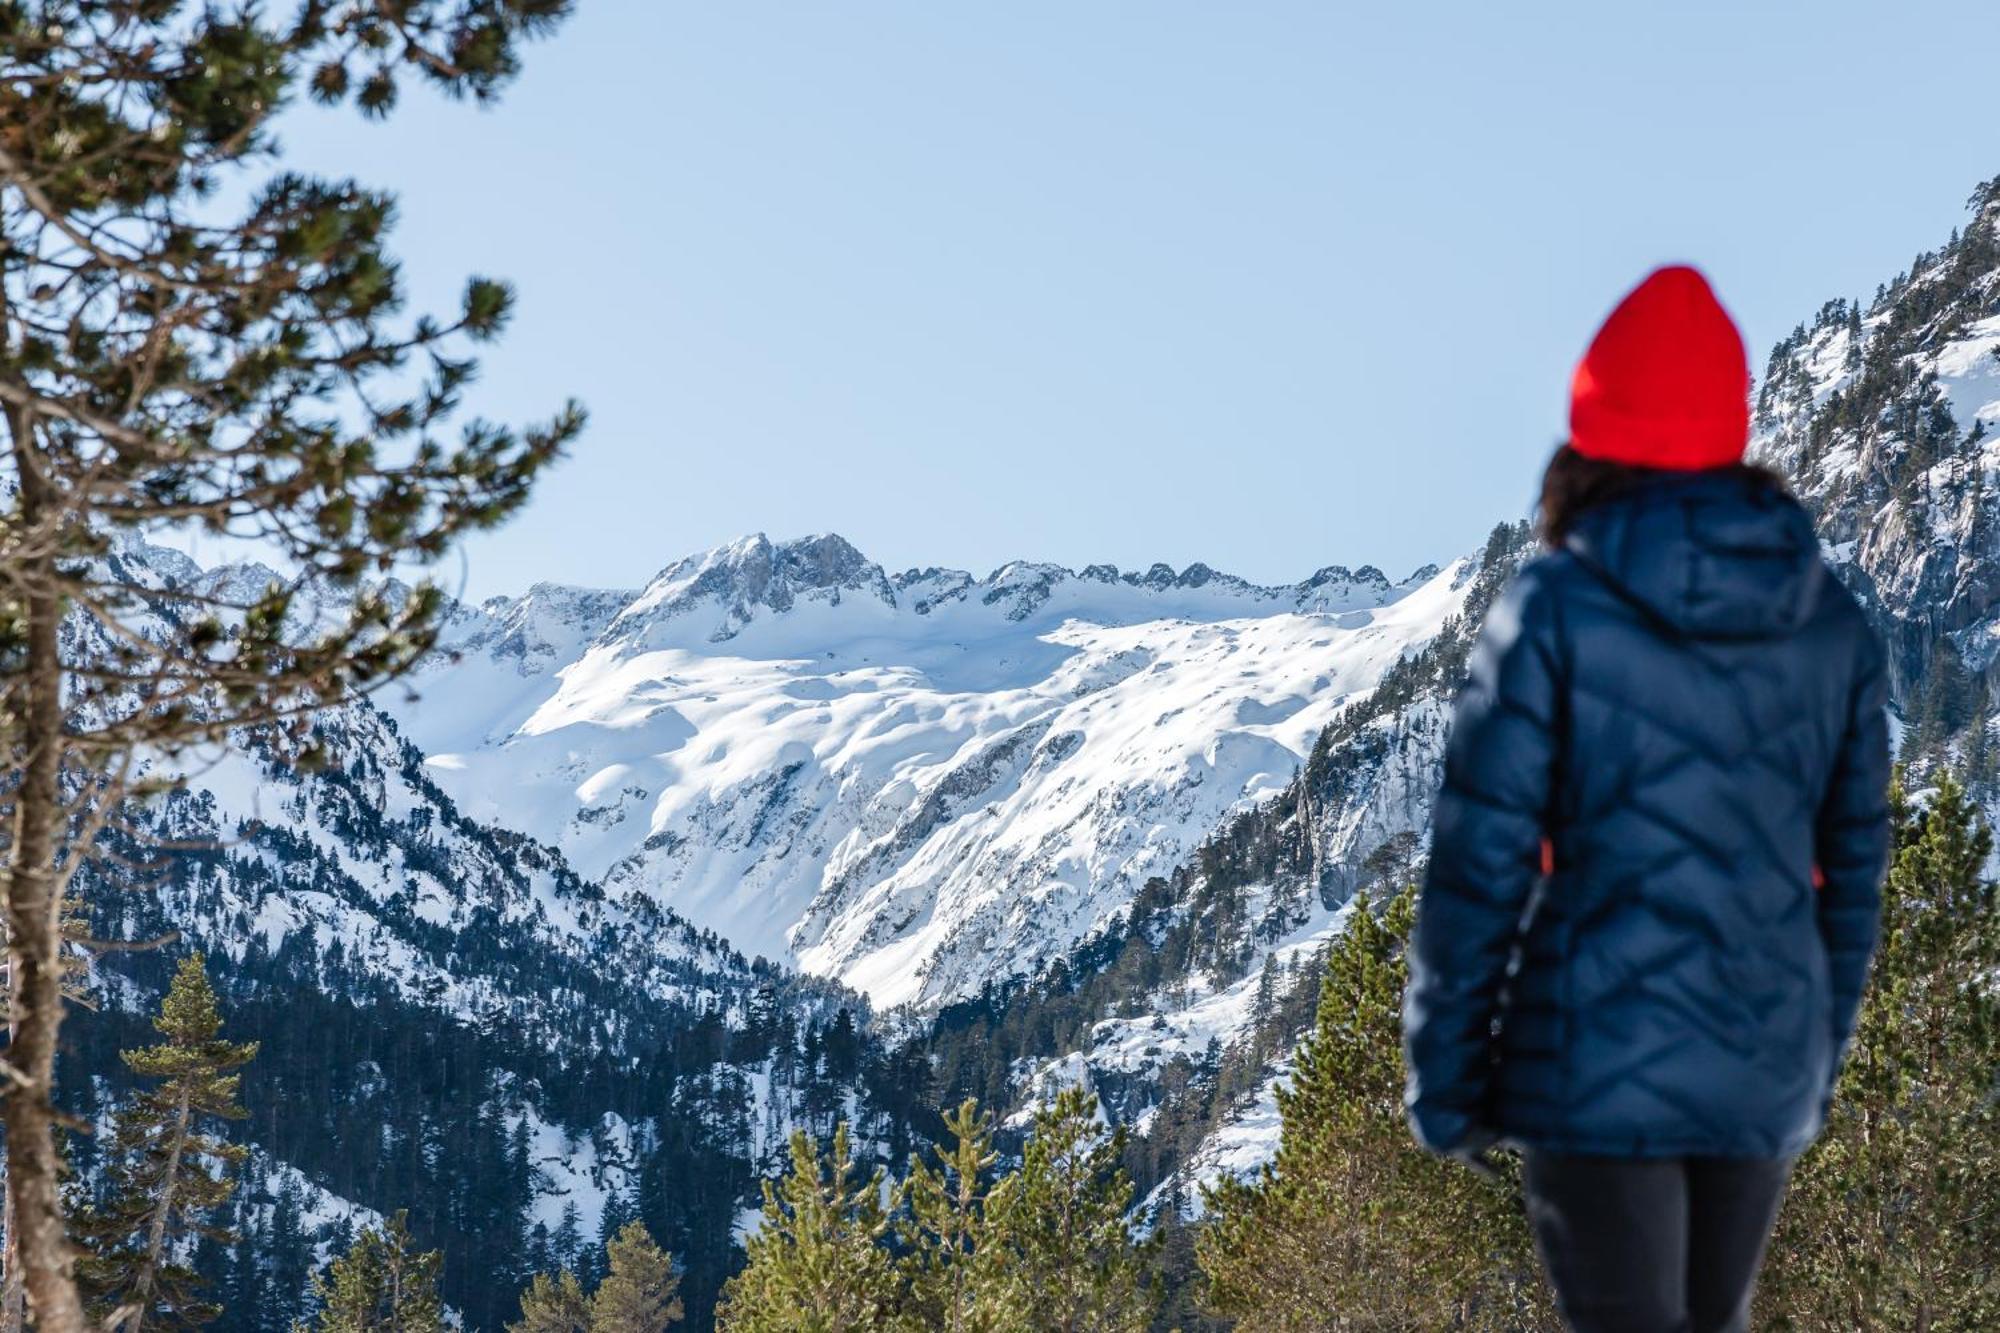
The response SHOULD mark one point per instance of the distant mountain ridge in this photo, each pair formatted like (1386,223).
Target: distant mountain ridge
(560,1044)
(753,575)
(897,780)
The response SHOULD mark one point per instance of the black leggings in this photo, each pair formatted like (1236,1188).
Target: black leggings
(1636,1245)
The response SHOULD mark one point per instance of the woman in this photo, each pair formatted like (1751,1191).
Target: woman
(1658,850)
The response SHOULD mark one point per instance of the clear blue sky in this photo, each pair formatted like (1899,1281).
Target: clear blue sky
(1266,285)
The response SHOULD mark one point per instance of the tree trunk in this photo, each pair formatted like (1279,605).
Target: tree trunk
(156,1229)
(12,1298)
(13,1301)
(34,933)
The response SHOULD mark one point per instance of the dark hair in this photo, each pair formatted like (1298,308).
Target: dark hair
(1575,483)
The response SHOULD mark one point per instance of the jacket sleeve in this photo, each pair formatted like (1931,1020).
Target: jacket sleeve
(1851,843)
(1486,857)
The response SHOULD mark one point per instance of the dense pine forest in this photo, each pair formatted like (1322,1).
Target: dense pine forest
(449,1097)
(1889,1224)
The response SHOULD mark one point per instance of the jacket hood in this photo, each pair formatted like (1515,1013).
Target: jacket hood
(1713,555)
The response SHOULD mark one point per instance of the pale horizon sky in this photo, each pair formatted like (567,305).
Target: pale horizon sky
(1268,286)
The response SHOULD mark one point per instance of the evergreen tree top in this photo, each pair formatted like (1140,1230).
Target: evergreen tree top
(191,1021)
(384,1284)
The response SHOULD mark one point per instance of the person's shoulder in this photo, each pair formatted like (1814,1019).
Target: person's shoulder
(1529,603)
(1544,580)
(1551,570)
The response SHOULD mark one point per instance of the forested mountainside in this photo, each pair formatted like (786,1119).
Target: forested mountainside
(1882,414)
(452,1021)
(1183,1014)
(627,884)
(455,1021)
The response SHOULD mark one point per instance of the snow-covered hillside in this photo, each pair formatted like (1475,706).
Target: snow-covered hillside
(1886,417)
(1183,1014)
(498,930)
(915,784)
(450,1019)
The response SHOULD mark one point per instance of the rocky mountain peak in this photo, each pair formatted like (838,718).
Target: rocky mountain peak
(724,589)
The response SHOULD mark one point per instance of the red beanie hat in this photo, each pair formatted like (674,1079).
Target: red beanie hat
(1665,383)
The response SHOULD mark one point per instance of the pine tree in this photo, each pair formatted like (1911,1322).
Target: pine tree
(1893,1219)
(639,1293)
(816,1263)
(198,339)
(383,1285)
(167,1173)
(566,1244)
(951,1265)
(286,1256)
(1177,1272)
(553,1305)
(620,1209)
(1072,1265)
(1353,1225)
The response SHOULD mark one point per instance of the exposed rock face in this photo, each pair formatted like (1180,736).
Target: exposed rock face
(1883,417)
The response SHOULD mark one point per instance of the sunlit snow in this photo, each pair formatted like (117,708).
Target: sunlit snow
(911,784)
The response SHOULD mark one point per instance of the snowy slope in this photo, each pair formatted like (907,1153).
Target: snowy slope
(1231,948)
(1886,417)
(554,842)
(912,784)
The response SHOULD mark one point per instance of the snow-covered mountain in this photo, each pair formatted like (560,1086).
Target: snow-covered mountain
(496,934)
(1183,1012)
(1880,414)
(451,1019)
(1884,415)
(1066,826)
(915,784)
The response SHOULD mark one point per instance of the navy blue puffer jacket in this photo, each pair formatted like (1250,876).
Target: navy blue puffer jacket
(1690,709)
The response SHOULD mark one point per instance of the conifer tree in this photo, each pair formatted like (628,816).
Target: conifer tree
(285,1257)
(951,1264)
(1893,1219)
(192,337)
(167,1172)
(1176,1270)
(1071,1264)
(816,1263)
(620,1209)
(384,1284)
(566,1243)
(1353,1225)
(639,1293)
(553,1305)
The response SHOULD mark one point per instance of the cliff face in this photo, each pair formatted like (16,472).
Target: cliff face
(1883,415)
